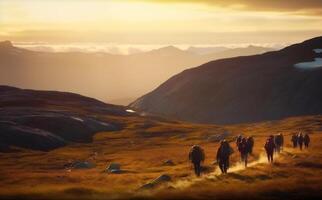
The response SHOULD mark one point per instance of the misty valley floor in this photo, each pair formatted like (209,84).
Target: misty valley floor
(143,146)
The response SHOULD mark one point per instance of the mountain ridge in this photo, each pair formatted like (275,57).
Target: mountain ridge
(241,89)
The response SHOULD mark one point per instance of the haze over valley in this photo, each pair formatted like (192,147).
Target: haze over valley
(118,79)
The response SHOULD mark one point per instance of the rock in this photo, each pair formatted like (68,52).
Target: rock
(116,171)
(146,186)
(114,168)
(82,165)
(168,163)
(164,178)
(161,179)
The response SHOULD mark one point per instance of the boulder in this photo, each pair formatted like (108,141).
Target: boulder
(161,179)
(114,168)
(82,165)
(164,178)
(168,163)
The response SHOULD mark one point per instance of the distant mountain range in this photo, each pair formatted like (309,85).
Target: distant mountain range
(269,86)
(118,79)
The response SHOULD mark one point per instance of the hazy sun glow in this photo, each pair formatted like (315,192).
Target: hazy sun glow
(126,21)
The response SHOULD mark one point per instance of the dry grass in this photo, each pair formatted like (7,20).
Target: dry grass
(141,149)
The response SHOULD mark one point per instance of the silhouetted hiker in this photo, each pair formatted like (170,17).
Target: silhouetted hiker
(306,140)
(279,140)
(196,156)
(300,140)
(282,141)
(294,140)
(269,147)
(239,139)
(250,144)
(223,154)
(243,149)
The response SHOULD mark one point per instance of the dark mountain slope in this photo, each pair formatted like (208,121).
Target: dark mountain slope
(44,120)
(242,89)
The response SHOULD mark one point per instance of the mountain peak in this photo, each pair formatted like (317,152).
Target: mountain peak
(170,48)
(167,49)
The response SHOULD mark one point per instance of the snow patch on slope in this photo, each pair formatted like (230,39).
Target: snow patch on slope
(317,63)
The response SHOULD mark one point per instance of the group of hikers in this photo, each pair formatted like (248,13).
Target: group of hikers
(300,139)
(273,144)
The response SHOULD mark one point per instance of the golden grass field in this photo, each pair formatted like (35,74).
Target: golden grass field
(142,147)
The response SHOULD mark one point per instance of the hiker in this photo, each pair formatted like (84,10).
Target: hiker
(269,147)
(300,140)
(278,140)
(306,140)
(282,141)
(250,144)
(196,156)
(223,153)
(239,139)
(294,140)
(242,148)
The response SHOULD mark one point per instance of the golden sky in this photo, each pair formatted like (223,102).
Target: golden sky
(160,21)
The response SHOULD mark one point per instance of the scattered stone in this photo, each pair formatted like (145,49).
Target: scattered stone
(161,179)
(168,163)
(81,165)
(164,178)
(114,168)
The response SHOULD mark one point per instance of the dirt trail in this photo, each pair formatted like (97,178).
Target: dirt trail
(235,168)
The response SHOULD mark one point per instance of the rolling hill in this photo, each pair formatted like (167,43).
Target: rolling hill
(273,85)
(45,120)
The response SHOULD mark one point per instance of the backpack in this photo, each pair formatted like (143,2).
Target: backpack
(269,145)
(196,154)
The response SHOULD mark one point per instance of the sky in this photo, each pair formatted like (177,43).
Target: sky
(192,22)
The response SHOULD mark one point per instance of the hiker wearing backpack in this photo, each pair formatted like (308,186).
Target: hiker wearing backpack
(238,139)
(294,140)
(223,153)
(306,140)
(300,140)
(270,147)
(250,144)
(243,149)
(278,139)
(196,156)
